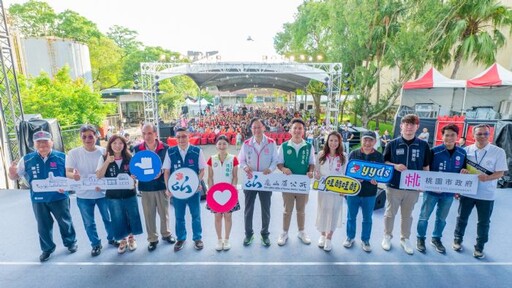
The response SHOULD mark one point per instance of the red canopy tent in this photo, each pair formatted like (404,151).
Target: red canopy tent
(494,76)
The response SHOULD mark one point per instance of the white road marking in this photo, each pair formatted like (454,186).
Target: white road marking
(476,263)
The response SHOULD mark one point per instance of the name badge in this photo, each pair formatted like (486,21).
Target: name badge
(400,151)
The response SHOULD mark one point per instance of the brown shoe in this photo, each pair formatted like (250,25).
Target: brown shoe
(198,244)
(179,245)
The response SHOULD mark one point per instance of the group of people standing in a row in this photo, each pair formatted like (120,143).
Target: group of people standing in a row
(120,213)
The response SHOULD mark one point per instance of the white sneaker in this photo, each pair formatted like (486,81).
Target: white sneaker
(348,243)
(226,245)
(386,242)
(406,244)
(328,245)
(304,237)
(283,237)
(220,245)
(321,241)
(366,246)
(132,244)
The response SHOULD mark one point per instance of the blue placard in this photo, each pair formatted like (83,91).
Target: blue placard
(365,170)
(145,165)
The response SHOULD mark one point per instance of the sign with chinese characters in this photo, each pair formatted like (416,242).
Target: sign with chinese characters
(183,183)
(122,181)
(277,182)
(365,170)
(439,182)
(222,197)
(338,184)
(145,165)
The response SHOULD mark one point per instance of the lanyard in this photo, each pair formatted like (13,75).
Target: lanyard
(476,158)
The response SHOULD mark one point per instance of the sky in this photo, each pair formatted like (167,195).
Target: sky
(196,25)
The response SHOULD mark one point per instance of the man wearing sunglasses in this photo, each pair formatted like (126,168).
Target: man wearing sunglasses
(491,161)
(81,162)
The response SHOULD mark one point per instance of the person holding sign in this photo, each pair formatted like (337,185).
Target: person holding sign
(185,156)
(82,162)
(154,199)
(491,163)
(446,157)
(258,153)
(366,198)
(223,167)
(332,161)
(122,203)
(51,204)
(296,156)
(404,152)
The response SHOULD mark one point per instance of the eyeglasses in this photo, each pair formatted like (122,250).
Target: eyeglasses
(482,134)
(90,137)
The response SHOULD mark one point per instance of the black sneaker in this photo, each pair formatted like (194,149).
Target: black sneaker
(198,244)
(265,241)
(114,243)
(96,250)
(73,248)
(479,254)
(436,242)
(457,245)
(179,245)
(45,256)
(248,240)
(170,239)
(420,245)
(152,246)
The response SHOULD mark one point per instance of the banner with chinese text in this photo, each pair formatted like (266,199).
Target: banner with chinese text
(439,182)
(277,182)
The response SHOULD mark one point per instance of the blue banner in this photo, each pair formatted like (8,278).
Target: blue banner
(365,170)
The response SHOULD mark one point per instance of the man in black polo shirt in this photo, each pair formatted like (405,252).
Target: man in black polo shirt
(404,152)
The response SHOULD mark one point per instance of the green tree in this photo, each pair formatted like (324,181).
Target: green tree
(106,63)
(33,18)
(70,101)
(125,38)
(474,32)
(72,25)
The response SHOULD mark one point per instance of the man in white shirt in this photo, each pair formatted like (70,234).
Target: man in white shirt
(491,161)
(80,163)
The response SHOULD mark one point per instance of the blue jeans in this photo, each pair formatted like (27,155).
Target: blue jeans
(430,201)
(125,217)
(180,205)
(484,211)
(60,210)
(346,146)
(86,207)
(367,204)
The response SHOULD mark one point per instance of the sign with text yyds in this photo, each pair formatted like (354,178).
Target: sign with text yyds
(439,182)
(277,182)
(365,170)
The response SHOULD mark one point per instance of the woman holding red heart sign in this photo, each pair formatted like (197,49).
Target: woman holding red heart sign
(222,167)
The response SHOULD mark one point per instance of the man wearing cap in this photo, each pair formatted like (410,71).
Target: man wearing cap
(366,197)
(47,205)
(405,152)
(154,199)
(81,162)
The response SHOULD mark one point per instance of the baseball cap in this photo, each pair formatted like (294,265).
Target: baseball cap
(41,135)
(368,134)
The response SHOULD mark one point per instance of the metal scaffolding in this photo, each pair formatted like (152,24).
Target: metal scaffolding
(230,76)
(10,108)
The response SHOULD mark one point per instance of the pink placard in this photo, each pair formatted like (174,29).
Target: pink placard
(222,197)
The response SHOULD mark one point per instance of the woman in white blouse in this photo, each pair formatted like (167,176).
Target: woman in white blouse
(332,161)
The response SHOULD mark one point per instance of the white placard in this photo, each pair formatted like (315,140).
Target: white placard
(439,182)
(277,182)
(122,181)
(183,183)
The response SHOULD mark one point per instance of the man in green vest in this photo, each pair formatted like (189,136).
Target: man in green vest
(295,156)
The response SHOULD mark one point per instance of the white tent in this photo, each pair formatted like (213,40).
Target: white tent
(195,106)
